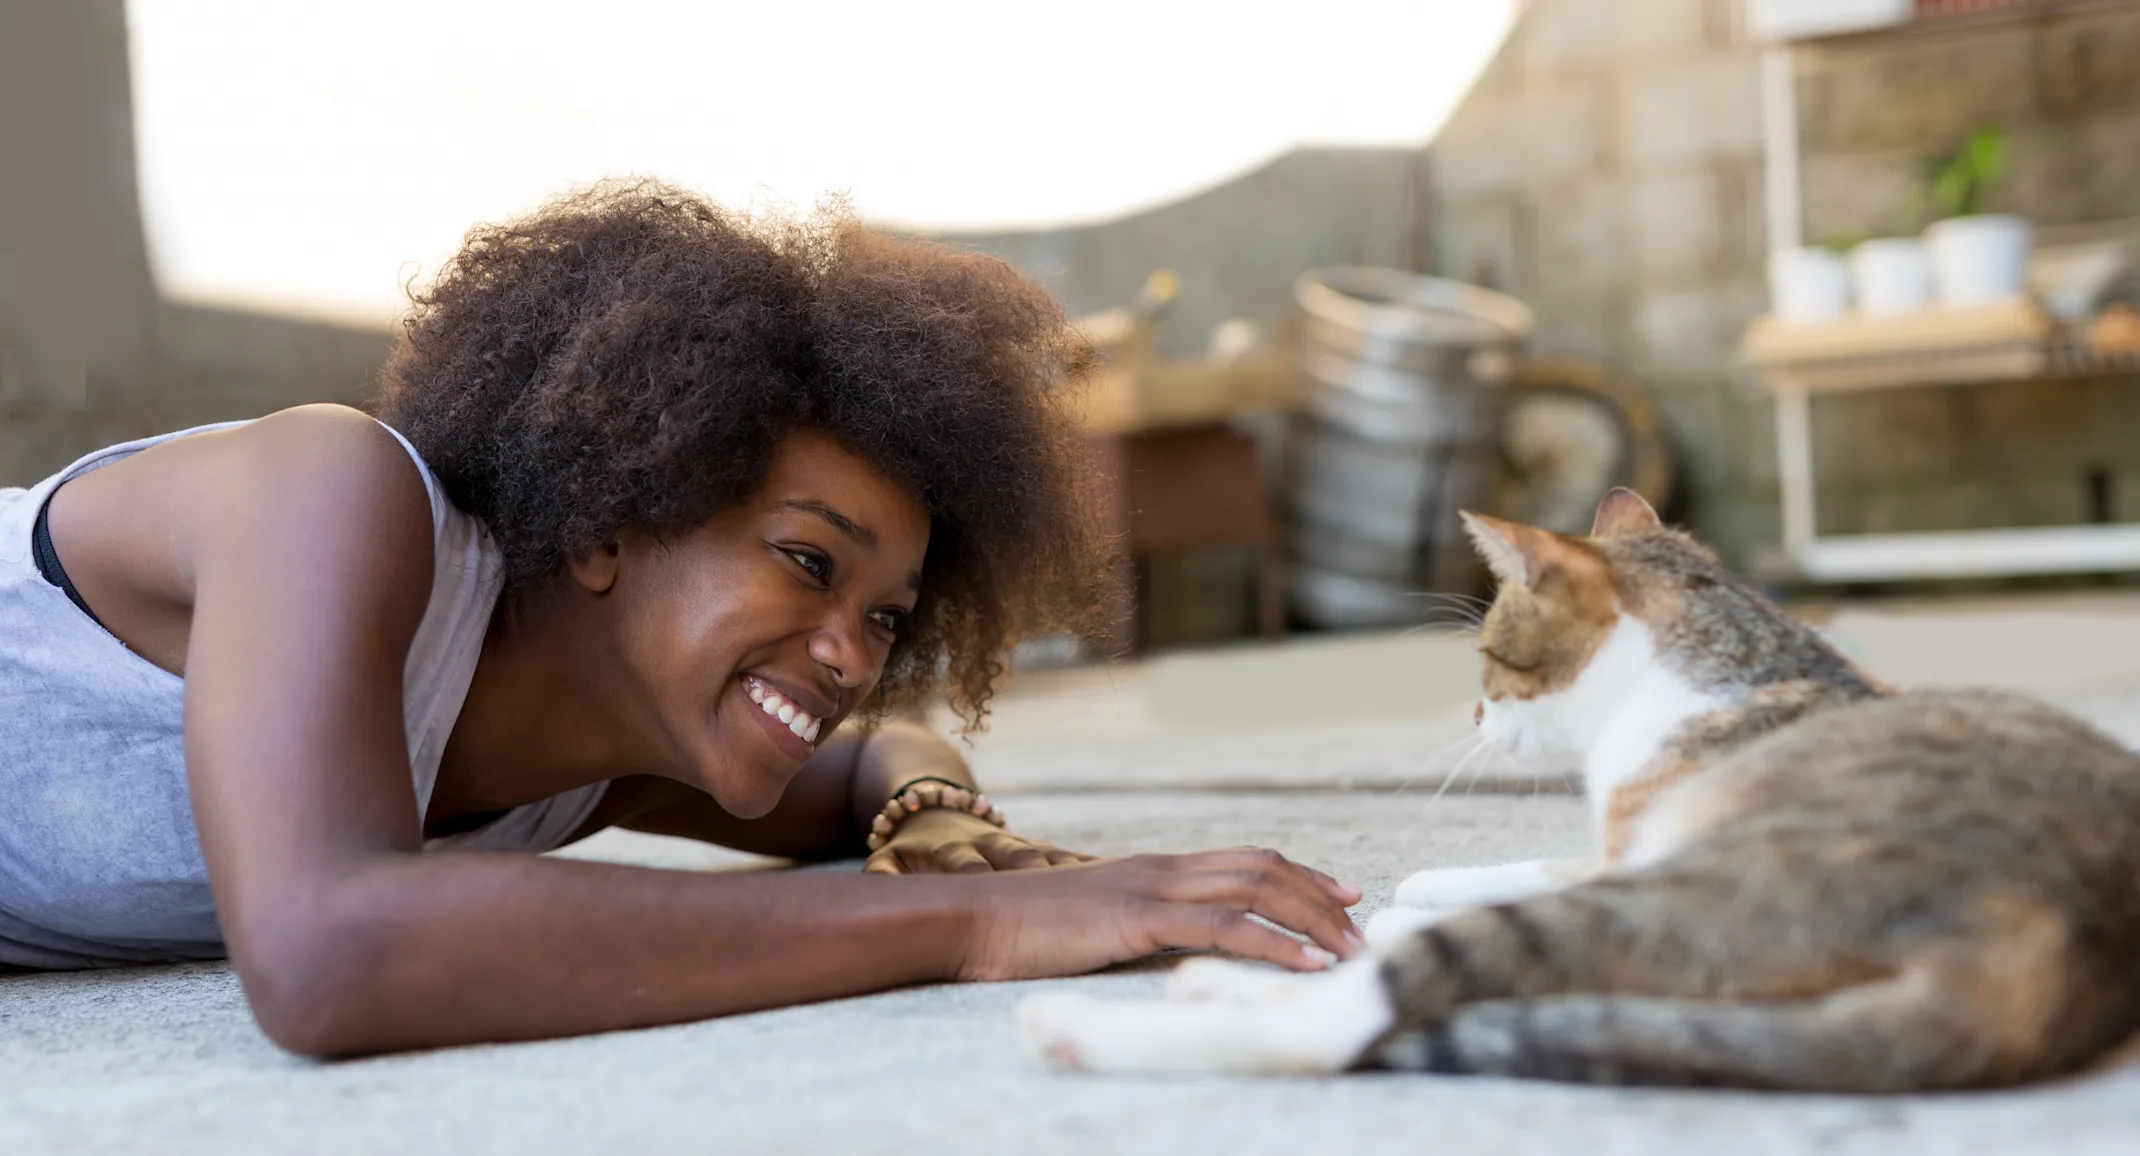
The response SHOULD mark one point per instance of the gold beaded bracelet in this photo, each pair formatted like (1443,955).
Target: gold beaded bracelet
(918,795)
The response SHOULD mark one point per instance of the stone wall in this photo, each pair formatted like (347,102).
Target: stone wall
(1607,170)
(1239,245)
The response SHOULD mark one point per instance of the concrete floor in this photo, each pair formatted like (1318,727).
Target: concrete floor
(1335,752)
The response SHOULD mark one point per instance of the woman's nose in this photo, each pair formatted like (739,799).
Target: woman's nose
(839,647)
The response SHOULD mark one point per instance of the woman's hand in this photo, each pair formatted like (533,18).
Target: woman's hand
(1047,923)
(945,840)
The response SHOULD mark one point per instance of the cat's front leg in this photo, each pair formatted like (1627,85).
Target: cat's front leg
(1452,889)
(1429,897)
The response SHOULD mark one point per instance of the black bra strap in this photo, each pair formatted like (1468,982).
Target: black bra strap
(48,565)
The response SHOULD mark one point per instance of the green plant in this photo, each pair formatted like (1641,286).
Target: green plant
(1955,185)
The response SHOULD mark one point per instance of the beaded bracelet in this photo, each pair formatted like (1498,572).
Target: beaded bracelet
(925,793)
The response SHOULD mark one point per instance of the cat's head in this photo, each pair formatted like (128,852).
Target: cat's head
(1581,625)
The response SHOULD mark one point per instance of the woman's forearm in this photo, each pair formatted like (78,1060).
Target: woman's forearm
(824,813)
(420,951)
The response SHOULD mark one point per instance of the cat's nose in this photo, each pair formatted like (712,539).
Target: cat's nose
(1478,714)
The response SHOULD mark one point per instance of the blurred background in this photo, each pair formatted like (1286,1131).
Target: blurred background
(1844,285)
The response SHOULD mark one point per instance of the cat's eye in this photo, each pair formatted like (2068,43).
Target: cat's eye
(1506,663)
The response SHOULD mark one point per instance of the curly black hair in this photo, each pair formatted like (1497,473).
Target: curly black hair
(633,355)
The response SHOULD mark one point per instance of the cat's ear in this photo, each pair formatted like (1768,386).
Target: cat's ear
(1624,512)
(1518,555)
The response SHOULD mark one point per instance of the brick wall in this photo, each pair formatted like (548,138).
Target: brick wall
(1607,170)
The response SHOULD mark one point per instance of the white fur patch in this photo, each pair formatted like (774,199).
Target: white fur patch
(1432,896)
(1305,1025)
(1611,721)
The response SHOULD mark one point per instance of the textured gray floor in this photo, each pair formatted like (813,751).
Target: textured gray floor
(1250,747)
(166,1060)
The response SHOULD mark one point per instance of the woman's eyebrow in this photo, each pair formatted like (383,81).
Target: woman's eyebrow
(860,535)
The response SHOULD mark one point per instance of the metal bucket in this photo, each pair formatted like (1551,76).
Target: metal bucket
(1398,434)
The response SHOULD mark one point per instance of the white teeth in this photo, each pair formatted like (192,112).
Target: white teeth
(804,724)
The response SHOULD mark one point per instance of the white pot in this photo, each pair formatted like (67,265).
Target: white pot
(1794,19)
(1807,285)
(1890,276)
(1979,260)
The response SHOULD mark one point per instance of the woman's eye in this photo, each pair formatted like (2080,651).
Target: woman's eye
(890,620)
(816,565)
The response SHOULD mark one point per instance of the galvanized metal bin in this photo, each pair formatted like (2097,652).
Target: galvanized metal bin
(1398,433)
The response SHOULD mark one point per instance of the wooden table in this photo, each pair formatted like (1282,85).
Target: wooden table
(1185,476)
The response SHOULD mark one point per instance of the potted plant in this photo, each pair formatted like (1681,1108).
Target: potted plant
(1810,283)
(1890,275)
(1977,258)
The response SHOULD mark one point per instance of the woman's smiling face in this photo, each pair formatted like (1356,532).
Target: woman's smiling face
(750,639)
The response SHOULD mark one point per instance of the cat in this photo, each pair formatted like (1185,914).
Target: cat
(1806,879)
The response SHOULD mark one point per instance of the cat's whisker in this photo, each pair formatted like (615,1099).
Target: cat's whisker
(1479,747)
(1456,752)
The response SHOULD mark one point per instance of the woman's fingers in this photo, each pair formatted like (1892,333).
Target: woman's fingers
(884,861)
(960,859)
(1269,885)
(1009,853)
(1345,894)
(1215,927)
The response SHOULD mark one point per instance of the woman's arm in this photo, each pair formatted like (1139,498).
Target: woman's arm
(825,812)
(310,564)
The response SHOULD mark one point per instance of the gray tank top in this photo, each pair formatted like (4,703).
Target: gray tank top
(100,863)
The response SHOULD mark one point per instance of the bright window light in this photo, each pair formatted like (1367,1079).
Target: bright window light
(313,156)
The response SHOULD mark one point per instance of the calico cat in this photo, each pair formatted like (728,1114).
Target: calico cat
(1806,881)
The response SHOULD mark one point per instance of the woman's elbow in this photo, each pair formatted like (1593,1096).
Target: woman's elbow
(312,982)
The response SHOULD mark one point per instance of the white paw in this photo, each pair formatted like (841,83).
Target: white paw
(1203,978)
(1391,924)
(1440,890)
(1047,1026)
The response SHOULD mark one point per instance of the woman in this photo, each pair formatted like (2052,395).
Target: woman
(662,503)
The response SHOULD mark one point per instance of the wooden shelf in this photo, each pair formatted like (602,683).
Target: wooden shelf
(1168,395)
(1935,347)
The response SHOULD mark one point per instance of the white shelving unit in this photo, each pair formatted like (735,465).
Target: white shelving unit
(1890,557)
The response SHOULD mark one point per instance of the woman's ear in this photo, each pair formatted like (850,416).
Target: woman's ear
(596,572)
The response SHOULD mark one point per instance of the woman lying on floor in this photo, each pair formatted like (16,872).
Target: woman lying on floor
(663,507)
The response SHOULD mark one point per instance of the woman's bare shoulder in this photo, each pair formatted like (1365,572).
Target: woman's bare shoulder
(325,477)
(298,494)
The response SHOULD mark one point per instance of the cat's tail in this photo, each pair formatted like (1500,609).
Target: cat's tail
(1880,1037)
